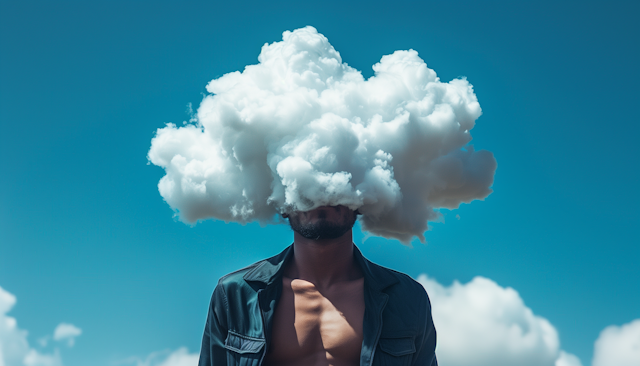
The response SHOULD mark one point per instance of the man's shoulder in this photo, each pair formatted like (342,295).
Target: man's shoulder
(260,271)
(237,276)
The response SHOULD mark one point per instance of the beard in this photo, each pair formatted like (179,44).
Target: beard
(323,229)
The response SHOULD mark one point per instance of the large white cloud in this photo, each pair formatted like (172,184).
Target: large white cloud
(302,129)
(618,345)
(14,347)
(483,324)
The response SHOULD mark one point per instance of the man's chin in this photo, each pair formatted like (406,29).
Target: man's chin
(321,230)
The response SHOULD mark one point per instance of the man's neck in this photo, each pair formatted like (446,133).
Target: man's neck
(323,262)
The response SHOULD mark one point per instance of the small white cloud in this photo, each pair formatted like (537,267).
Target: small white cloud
(483,324)
(179,357)
(567,359)
(619,346)
(68,332)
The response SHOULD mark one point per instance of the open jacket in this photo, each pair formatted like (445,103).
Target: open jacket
(398,329)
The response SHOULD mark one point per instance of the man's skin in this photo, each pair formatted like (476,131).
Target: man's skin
(318,320)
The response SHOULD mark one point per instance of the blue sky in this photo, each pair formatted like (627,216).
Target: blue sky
(86,239)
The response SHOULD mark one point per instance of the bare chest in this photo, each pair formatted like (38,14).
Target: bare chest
(317,328)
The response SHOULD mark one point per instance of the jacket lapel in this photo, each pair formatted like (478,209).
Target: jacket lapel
(375,300)
(269,270)
(266,280)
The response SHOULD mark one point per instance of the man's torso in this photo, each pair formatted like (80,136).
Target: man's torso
(316,328)
(240,331)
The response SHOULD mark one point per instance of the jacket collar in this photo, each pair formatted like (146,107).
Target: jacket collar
(376,277)
(270,270)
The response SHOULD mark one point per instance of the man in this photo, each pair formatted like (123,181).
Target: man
(319,302)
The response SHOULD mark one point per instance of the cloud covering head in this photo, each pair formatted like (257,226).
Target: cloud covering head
(302,129)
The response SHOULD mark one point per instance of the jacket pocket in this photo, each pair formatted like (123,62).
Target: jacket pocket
(243,350)
(395,351)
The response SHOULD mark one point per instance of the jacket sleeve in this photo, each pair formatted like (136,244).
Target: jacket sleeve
(426,342)
(213,352)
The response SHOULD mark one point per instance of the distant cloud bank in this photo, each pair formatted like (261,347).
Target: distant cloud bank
(302,129)
(481,323)
(478,323)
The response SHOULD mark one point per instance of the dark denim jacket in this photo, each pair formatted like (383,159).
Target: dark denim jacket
(398,329)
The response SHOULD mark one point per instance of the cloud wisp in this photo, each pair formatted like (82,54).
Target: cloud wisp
(302,129)
(68,332)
